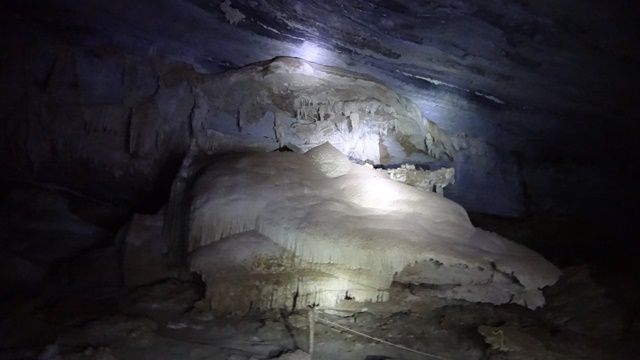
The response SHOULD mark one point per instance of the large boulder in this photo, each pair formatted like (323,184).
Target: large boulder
(272,230)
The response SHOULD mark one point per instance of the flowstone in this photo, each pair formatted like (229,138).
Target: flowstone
(272,230)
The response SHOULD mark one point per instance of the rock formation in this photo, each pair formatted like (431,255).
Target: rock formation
(272,230)
(294,103)
(129,122)
(427,180)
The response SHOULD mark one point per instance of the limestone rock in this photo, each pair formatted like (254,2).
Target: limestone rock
(90,353)
(248,272)
(329,160)
(327,239)
(292,102)
(54,237)
(127,121)
(138,332)
(510,339)
(596,314)
(296,355)
(144,251)
(164,299)
(519,342)
(494,177)
(427,180)
(438,143)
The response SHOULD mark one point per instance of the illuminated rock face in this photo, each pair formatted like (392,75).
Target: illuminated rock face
(128,121)
(434,181)
(294,103)
(272,229)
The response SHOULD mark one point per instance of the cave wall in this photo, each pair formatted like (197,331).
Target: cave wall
(534,92)
(116,126)
(81,119)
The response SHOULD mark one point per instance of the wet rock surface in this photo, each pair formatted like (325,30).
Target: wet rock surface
(115,125)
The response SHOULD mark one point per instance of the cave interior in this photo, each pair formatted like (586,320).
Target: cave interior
(394,179)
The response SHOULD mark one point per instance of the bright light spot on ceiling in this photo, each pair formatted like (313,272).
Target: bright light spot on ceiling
(310,52)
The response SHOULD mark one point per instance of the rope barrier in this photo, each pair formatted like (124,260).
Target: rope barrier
(342,327)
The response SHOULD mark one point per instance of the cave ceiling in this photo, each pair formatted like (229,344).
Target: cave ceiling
(489,68)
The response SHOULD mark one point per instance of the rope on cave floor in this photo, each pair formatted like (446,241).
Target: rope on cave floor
(314,317)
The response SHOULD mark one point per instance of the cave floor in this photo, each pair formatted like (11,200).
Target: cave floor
(160,322)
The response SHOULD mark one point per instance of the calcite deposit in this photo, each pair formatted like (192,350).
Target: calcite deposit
(273,230)
(298,104)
